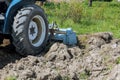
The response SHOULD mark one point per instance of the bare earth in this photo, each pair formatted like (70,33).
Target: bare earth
(94,58)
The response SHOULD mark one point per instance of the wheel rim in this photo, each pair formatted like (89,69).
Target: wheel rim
(37,31)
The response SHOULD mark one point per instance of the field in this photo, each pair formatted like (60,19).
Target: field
(95,57)
(101,17)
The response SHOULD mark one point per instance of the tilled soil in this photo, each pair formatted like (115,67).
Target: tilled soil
(96,57)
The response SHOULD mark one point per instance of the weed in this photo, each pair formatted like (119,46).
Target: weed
(75,11)
(65,78)
(84,75)
(118,60)
(11,78)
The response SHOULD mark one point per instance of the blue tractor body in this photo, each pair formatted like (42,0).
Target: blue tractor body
(12,9)
(12,4)
(7,21)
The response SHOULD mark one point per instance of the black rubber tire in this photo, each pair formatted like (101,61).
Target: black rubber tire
(20,30)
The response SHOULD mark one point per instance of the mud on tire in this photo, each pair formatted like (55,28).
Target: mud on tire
(30,30)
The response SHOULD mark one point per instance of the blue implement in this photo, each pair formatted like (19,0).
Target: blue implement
(67,36)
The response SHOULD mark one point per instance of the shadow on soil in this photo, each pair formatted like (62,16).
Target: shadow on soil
(8,55)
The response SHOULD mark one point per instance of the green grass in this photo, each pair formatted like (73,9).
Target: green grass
(118,60)
(101,17)
(11,78)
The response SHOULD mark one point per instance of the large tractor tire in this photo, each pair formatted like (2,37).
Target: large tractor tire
(30,30)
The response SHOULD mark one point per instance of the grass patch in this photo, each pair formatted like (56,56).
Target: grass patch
(11,78)
(118,60)
(83,76)
(101,17)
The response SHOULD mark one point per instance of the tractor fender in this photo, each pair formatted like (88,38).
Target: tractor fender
(13,8)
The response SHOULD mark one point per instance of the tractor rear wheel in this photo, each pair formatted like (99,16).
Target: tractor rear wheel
(30,30)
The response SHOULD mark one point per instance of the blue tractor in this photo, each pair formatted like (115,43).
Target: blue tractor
(26,25)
